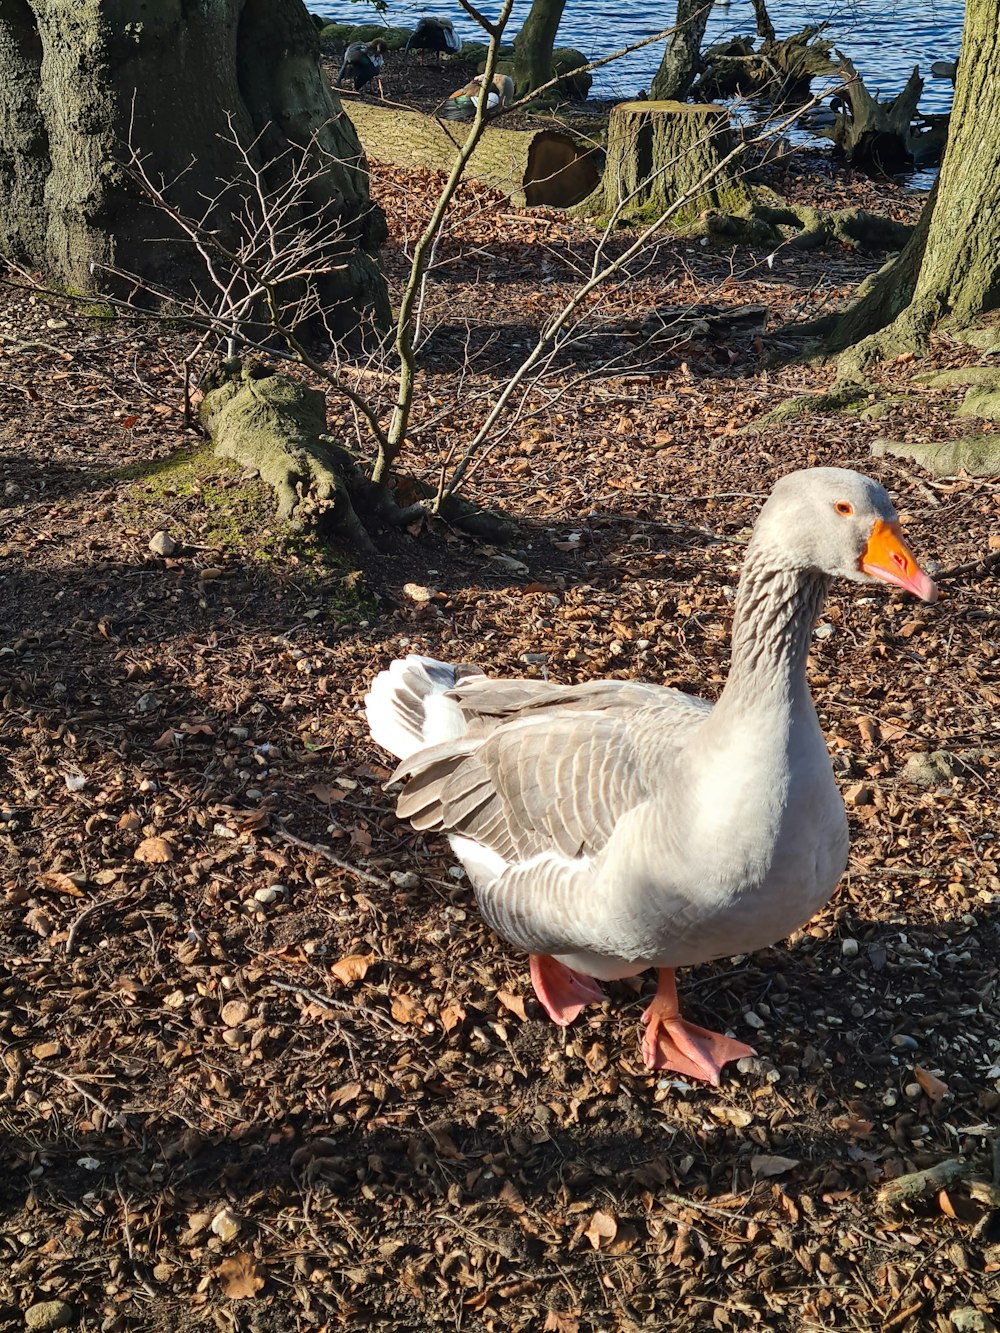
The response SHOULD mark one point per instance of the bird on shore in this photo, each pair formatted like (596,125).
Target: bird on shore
(462,104)
(434,34)
(363,61)
(614,826)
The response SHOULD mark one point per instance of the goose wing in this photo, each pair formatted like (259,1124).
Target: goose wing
(533,778)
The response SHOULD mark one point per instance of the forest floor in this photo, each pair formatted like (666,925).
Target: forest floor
(265,1069)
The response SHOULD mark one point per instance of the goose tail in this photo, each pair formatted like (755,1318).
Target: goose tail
(407,707)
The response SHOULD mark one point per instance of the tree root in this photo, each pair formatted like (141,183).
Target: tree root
(978,455)
(273,424)
(853,227)
(276,425)
(841,398)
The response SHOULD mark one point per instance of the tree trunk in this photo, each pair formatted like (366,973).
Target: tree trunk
(531,166)
(950,269)
(659,153)
(765,28)
(533,45)
(682,57)
(84,86)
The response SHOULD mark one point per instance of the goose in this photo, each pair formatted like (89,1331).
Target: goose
(434,34)
(614,826)
(462,105)
(363,62)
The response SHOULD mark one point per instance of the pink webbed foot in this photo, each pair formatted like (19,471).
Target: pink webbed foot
(562,992)
(670,1042)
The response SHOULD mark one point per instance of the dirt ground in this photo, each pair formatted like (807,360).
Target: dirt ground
(265,1070)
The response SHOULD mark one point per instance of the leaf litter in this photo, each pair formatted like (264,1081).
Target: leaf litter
(266,1001)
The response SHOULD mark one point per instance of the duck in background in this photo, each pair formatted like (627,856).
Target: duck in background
(462,105)
(363,61)
(434,34)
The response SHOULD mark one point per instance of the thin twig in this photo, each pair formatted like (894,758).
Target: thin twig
(321,850)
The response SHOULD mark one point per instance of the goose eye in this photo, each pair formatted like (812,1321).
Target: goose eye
(844,507)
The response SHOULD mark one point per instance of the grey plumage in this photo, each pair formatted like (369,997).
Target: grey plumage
(617,825)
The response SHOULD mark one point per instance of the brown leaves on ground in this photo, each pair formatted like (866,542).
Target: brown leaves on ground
(239,1277)
(154,851)
(401,1153)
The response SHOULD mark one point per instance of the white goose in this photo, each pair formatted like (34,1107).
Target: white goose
(613,826)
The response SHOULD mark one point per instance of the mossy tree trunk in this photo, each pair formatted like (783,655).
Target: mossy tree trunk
(533,45)
(667,156)
(83,86)
(950,269)
(682,56)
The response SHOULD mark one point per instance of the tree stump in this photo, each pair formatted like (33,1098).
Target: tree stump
(530,166)
(875,133)
(667,155)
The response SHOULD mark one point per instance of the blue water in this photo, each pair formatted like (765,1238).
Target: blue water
(884,39)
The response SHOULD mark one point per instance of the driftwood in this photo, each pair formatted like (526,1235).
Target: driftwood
(660,152)
(530,166)
(872,133)
(782,69)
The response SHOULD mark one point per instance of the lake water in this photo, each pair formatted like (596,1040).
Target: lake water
(884,39)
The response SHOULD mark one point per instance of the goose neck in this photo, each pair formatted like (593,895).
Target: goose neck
(776,609)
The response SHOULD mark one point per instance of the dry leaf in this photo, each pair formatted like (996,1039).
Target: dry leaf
(602,1230)
(239,1277)
(934,1087)
(348,1093)
(946,1205)
(515,1003)
(764,1164)
(153,852)
(353,967)
(324,792)
(60,883)
(405,1009)
(451,1015)
(561,1323)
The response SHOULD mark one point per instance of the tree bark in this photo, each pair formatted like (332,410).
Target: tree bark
(531,166)
(533,45)
(682,56)
(84,85)
(950,269)
(660,152)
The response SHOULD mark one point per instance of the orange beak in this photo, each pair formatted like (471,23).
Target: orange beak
(887,557)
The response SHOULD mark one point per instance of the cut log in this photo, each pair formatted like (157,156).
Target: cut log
(872,133)
(664,155)
(530,166)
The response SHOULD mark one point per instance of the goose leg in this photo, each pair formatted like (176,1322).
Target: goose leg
(562,992)
(670,1042)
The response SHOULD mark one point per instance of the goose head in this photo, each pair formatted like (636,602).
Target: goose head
(840,523)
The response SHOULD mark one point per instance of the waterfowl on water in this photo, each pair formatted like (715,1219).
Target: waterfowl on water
(363,61)
(462,105)
(613,826)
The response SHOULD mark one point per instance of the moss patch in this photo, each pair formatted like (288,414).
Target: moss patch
(979,455)
(209,502)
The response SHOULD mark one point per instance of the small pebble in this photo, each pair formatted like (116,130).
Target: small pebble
(269,894)
(48,1314)
(913,1091)
(226,1224)
(902,1042)
(849,948)
(890,1099)
(404,879)
(235,1036)
(161,543)
(753,1020)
